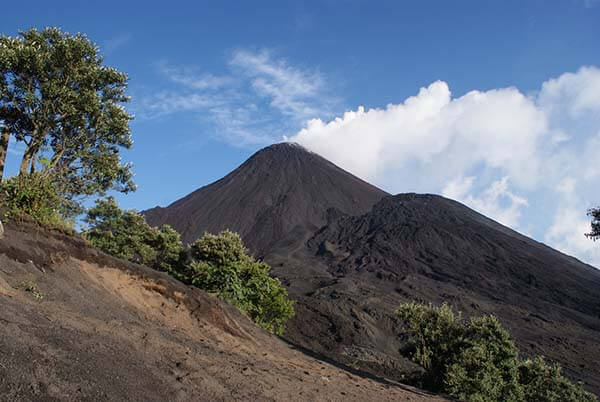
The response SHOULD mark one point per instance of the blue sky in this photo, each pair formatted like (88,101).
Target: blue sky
(493,103)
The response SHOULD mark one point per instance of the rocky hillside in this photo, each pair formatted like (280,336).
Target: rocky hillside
(79,325)
(350,276)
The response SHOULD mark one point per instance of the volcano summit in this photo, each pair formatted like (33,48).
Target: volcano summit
(281,188)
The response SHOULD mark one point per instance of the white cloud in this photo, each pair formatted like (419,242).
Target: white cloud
(575,93)
(258,98)
(294,92)
(193,79)
(441,136)
(240,125)
(526,161)
(590,3)
(566,234)
(168,102)
(496,201)
(113,44)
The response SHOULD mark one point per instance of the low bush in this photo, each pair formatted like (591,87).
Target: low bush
(125,234)
(476,359)
(40,196)
(542,381)
(31,287)
(219,264)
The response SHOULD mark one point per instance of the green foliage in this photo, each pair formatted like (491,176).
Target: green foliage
(434,337)
(223,266)
(40,196)
(544,382)
(226,247)
(220,264)
(58,98)
(31,287)
(485,367)
(476,360)
(594,233)
(125,234)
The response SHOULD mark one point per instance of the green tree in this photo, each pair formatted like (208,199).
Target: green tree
(58,98)
(485,365)
(125,234)
(221,264)
(543,382)
(476,359)
(594,234)
(434,334)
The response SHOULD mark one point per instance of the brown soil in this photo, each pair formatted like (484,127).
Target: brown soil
(104,329)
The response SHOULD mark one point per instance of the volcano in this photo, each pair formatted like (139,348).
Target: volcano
(280,189)
(349,253)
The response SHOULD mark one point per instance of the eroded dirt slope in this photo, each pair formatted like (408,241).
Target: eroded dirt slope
(103,329)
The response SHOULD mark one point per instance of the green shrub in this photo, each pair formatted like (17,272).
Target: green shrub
(39,196)
(544,382)
(476,359)
(434,334)
(125,234)
(221,264)
(485,366)
(31,287)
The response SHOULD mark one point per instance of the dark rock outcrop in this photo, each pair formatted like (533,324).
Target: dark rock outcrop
(353,272)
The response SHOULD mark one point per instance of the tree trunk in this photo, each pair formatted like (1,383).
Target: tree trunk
(34,159)
(56,158)
(4,139)
(30,156)
(25,161)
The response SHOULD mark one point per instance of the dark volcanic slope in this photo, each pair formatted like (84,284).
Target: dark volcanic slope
(281,188)
(352,273)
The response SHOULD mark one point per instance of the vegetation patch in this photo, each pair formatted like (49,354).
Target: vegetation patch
(38,196)
(594,233)
(221,264)
(31,287)
(65,107)
(476,359)
(126,235)
(218,264)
